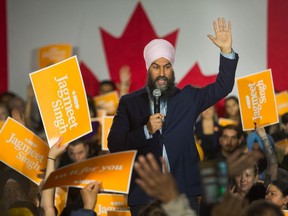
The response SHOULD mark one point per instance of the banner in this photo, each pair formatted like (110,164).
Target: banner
(110,202)
(108,101)
(282,102)
(104,168)
(257,100)
(22,150)
(62,101)
(106,126)
(51,54)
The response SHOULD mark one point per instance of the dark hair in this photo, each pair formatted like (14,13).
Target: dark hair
(263,207)
(284,118)
(20,179)
(257,191)
(232,98)
(81,140)
(231,127)
(282,185)
(108,82)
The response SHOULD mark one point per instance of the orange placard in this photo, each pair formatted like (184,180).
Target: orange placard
(119,213)
(108,101)
(22,150)
(51,54)
(60,200)
(225,121)
(110,202)
(104,168)
(282,102)
(1,124)
(62,101)
(106,125)
(257,100)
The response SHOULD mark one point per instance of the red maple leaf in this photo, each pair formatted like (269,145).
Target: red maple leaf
(128,50)
(91,82)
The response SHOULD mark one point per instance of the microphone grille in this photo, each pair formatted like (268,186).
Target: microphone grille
(156,93)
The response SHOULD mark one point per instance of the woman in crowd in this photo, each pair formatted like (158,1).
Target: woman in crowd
(277,192)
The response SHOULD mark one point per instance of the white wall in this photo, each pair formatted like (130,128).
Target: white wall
(35,23)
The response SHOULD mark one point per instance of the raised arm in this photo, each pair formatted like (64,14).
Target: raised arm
(223,35)
(47,200)
(272,163)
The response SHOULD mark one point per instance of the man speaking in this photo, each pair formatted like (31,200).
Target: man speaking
(169,133)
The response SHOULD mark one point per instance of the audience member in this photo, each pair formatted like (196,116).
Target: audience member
(245,181)
(232,110)
(5,97)
(263,208)
(4,112)
(207,132)
(230,140)
(277,192)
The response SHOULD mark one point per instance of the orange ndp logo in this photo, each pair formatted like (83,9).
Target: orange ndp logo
(110,202)
(62,101)
(53,53)
(22,150)
(104,168)
(257,100)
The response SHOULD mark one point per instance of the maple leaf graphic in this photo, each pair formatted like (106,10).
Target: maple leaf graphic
(128,50)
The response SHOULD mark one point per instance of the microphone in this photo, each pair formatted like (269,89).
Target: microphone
(156,94)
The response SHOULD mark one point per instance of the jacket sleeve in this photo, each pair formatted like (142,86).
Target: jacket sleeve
(223,85)
(127,130)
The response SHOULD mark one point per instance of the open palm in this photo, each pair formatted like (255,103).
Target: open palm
(223,35)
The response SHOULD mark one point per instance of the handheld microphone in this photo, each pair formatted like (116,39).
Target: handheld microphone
(156,94)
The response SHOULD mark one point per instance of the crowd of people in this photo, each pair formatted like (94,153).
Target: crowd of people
(168,176)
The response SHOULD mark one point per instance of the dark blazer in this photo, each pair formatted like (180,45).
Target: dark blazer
(183,108)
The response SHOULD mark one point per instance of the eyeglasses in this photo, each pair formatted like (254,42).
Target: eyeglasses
(227,138)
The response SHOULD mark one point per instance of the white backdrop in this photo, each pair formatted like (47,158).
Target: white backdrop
(36,23)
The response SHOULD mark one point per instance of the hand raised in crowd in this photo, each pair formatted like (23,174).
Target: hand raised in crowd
(161,186)
(260,131)
(240,161)
(223,35)
(89,195)
(16,115)
(57,149)
(155,123)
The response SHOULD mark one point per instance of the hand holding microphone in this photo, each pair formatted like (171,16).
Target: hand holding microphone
(156,120)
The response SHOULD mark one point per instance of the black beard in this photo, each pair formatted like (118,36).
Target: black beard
(167,91)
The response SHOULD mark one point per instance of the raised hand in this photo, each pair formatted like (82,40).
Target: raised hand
(223,35)
(156,184)
(89,195)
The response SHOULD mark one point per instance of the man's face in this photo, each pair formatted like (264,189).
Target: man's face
(12,192)
(105,88)
(78,152)
(229,141)
(161,76)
